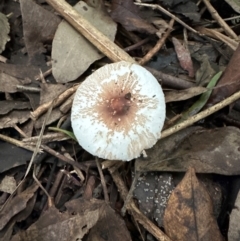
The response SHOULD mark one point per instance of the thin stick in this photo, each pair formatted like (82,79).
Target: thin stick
(158,46)
(45,74)
(203,114)
(30,89)
(220,21)
(134,211)
(104,186)
(49,137)
(130,193)
(19,131)
(155,6)
(16,142)
(219,36)
(64,158)
(99,40)
(43,108)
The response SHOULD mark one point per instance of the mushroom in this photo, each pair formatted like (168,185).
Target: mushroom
(118,111)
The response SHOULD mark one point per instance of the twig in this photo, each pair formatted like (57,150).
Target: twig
(170,80)
(158,45)
(104,186)
(203,114)
(219,36)
(16,142)
(131,207)
(66,106)
(46,73)
(220,21)
(35,152)
(77,170)
(63,158)
(130,193)
(44,107)
(19,131)
(49,137)
(30,89)
(155,6)
(137,45)
(105,45)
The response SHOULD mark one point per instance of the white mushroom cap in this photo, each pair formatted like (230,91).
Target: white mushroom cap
(118,111)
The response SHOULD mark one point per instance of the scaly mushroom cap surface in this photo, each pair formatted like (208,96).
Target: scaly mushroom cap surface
(118,111)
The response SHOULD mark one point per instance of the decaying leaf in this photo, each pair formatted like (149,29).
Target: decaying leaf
(189,212)
(205,72)
(6,232)
(20,71)
(81,217)
(152,192)
(16,205)
(127,14)
(184,57)
(53,225)
(188,9)
(14,117)
(8,184)
(12,156)
(9,105)
(72,53)
(167,62)
(56,114)
(5,28)
(235,4)
(8,83)
(230,80)
(39,26)
(109,227)
(209,151)
(51,91)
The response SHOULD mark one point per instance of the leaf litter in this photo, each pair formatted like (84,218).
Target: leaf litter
(70,48)
(42,69)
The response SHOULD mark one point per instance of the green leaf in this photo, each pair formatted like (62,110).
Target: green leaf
(199,104)
(68,133)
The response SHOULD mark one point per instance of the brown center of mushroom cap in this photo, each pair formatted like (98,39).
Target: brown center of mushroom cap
(119,106)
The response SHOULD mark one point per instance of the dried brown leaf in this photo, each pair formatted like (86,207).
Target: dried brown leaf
(9,105)
(8,83)
(16,205)
(230,80)
(39,26)
(55,115)
(184,57)
(209,151)
(188,9)
(20,71)
(13,118)
(72,53)
(126,13)
(80,217)
(152,192)
(8,184)
(53,225)
(189,212)
(109,227)
(12,156)
(51,91)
